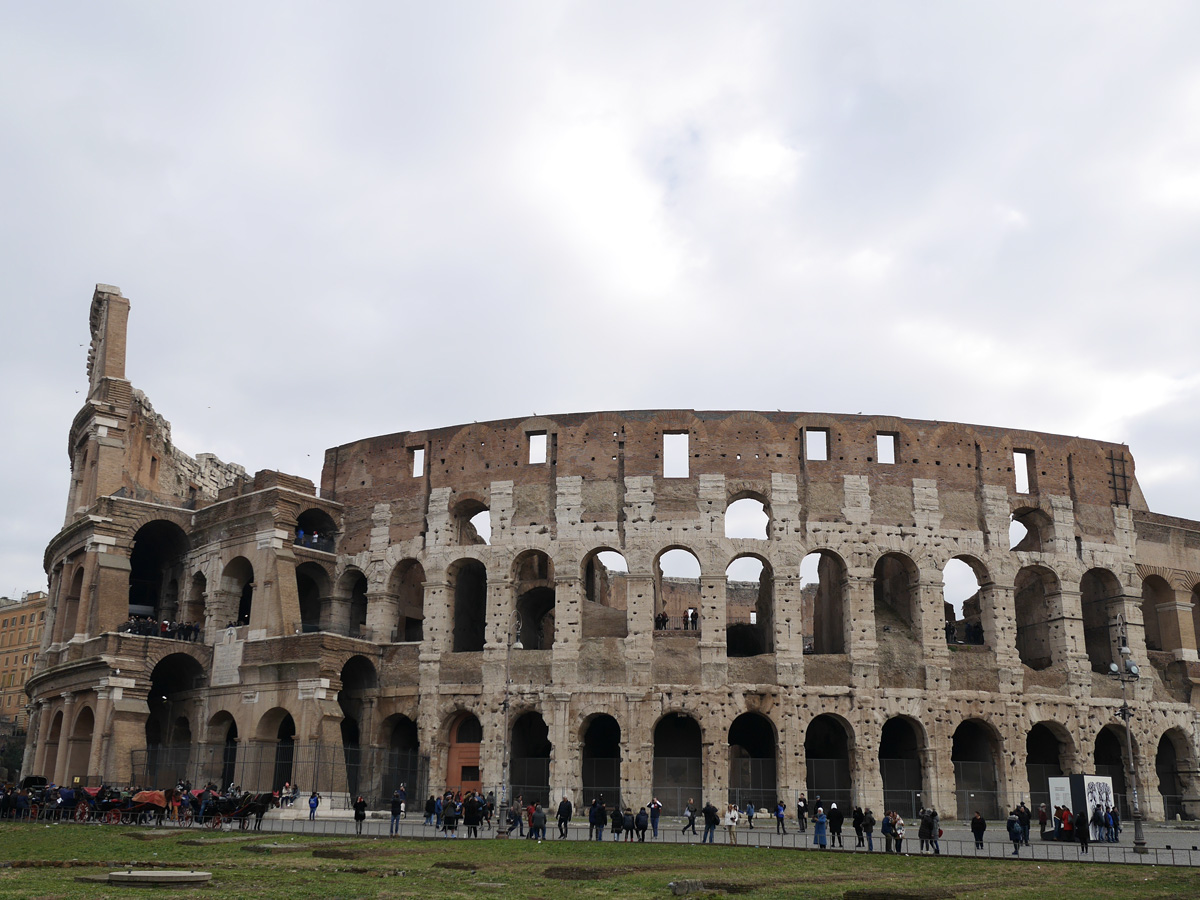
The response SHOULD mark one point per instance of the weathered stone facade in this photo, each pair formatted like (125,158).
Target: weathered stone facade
(377,616)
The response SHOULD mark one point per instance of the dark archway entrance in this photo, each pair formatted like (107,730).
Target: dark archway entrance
(359,681)
(285,751)
(752,762)
(974,753)
(678,773)
(602,760)
(827,758)
(156,563)
(901,748)
(469,578)
(529,759)
(1043,761)
(173,686)
(403,765)
(1110,760)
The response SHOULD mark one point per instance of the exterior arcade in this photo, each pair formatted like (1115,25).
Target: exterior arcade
(674,603)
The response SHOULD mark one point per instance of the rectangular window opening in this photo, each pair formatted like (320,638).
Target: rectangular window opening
(816,444)
(1022,466)
(153,467)
(537,448)
(675,455)
(885,448)
(418,461)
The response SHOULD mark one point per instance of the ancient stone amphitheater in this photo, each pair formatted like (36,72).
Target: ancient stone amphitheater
(742,605)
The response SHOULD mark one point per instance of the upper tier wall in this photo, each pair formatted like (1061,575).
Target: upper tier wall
(965,462)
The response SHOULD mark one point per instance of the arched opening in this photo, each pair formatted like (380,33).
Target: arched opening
(823,589)
(53,736)
(359,682)
(748,518)
(1036,597)
(677,591)
(962,602)
(175,685)
(68,626)
(472,523)
(1044,760)
(349,616)
(312,586)
(749,607)
(1196,610)
(605,588)
(81,747)
(529,759)
(827,757)
(901,751)
(533,586)
(1031,530)
(159,553)
(752,762)
(602,759)
(468,581)
(975,749)
(462,757)
(315,529)
(192,611)
(285,752)
(1112,761)
(1174,770)
(403,758)
(678,775)
(1156,592)
(223,734)
(1100,596)
(896,603)
(237,587)
(408,587)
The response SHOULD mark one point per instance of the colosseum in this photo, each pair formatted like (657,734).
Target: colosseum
(677,603)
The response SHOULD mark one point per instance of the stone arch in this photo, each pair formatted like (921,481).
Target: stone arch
(903,745)
(276,735)
(467,581)
(236,598)
(534,594)
(824,586)
(1176,767)
(1049,753)
(1034,531)
(177,684)
(53,736)
(158,557)
(407,585)
(313,589)
(828,755)
(753,761)
(193,606)
(605,574)
(80,746)
(464,736)
(472,522)
(1100,594)
(399,737)
(976,751)
(1156,592)
(222,735)
(1038,600)
(1111,758)
(748,516)
(676,595)
(678,761)
(348,613)
(529,756)
(316,529)
(967,627)
(749,608)
(897,598)
(600,735)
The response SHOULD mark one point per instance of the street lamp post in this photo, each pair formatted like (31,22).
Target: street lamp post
(1128,673)
(510,644)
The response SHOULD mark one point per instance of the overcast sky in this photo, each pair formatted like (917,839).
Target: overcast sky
(341,220)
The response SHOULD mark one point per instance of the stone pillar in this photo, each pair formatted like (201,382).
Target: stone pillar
(714,664)
(383,617)
(864,766)
(861,644)
(998,601)
(568,628)
(438,630)
(791,771)
(64,740)
(788,619)
(220,611)
(109,606)
(1067,646)
(1177,624)
(639,645)
(930,630)
(715,765)
(565,755)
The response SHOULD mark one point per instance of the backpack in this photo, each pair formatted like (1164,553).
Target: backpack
(886,827)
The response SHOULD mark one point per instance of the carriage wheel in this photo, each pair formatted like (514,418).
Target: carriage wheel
(81,812)
(126,818)
(185,817)
(34,812)
(112,817)
(213,821)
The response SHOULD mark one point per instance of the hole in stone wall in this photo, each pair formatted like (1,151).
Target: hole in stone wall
(675,455)
(747,518)
(537,448)
(418,461)
(885,448)
(816,444)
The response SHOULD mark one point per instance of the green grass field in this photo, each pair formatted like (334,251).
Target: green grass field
(382,868)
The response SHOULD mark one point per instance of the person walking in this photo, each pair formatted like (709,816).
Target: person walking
(360,814)
(711,819)
(819,822)
(836,818)
(978,827)
(403,792)
(1014,832)
(731,821)
(689,815)
(397,811)
(514,821)
(655,811)
(749,814)
(780,812)
(313,802)
(1082,833)
(868,827)
(856,822)
(564,817)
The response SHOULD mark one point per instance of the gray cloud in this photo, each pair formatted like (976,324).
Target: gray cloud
(340,221)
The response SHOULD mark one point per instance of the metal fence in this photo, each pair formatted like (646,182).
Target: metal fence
(678,779)
(829,781)
(753,781)
(338,773)
(902,785)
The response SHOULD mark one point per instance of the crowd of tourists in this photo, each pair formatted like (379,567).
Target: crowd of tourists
(147,626)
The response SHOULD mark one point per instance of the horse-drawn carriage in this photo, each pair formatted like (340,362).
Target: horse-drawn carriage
(238,808)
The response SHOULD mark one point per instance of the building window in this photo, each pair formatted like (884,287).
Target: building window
(418,461)
(885,448)
(675,455)
(1023,469)
(537,447)
(816,444)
